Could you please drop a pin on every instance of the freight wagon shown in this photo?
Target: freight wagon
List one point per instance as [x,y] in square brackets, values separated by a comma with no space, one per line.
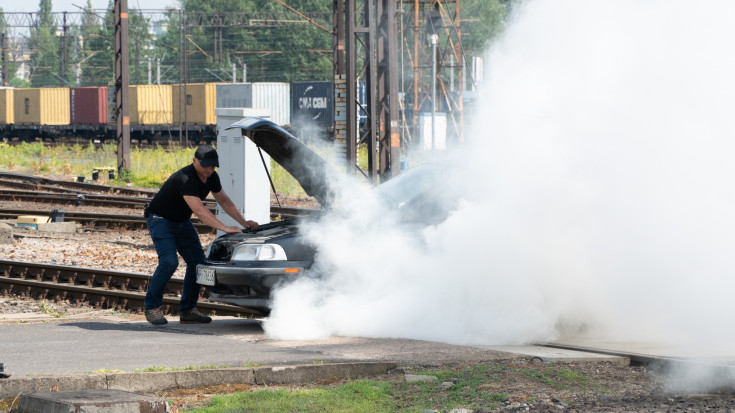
[312,109]
[165,112]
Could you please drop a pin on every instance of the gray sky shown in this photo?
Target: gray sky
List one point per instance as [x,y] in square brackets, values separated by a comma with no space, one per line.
[68,5]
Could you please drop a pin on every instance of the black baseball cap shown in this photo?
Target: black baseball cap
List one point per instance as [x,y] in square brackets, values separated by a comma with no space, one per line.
[207,156]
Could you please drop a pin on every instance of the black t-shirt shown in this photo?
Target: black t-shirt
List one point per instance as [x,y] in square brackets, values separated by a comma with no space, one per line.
[169,201]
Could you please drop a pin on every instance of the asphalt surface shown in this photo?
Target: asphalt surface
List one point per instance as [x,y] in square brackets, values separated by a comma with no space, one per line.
[46,354]
[92,345]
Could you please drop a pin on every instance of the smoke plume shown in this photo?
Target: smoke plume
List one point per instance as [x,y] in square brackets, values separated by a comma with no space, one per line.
[594,191]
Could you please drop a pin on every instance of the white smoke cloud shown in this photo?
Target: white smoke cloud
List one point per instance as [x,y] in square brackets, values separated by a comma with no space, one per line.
[596,190]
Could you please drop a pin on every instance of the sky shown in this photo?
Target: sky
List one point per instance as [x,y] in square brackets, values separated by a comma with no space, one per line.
[69,5]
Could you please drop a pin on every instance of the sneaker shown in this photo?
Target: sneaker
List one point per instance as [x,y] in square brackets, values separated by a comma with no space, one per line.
[3,374]
[193,316]
[155,316]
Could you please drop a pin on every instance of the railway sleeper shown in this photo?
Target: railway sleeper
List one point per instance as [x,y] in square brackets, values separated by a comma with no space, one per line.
[101,298]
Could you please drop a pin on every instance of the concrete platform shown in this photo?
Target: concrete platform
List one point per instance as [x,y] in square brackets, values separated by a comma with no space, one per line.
[551,355]
[112,401]
[683,349]
[148,382]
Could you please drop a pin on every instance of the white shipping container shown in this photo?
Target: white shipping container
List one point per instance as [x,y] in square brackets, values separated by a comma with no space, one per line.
[274,96]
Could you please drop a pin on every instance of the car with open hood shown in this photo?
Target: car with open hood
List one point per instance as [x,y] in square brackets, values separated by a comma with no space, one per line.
[243,269]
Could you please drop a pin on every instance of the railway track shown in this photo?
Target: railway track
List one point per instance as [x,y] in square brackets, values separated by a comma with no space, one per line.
[28,188]
[95,219]
[102,289]
[74,199]
[59,185]
[116,221]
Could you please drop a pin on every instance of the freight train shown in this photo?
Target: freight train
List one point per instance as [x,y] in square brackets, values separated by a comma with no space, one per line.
[164,112]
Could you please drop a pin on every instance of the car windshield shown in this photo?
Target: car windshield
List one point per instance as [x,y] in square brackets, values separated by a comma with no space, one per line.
[417,194]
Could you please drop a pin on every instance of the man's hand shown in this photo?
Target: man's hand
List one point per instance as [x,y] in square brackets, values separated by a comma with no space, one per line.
[231,229]
[251,225]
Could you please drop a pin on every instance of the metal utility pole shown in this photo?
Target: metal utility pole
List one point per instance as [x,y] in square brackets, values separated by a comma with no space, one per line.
[360,45]
[63,51]
[390,126]
[122,86]
[370,37]
[434,17]
[416,70]
[459,55]
[434,43]
[338,37]
[6,62]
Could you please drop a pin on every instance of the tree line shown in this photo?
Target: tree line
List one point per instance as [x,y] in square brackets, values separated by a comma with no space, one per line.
[189,45]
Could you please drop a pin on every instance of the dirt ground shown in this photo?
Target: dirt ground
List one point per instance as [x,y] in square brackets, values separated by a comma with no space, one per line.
[517,385]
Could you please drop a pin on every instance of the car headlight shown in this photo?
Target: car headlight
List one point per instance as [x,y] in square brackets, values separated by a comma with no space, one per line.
[259,252]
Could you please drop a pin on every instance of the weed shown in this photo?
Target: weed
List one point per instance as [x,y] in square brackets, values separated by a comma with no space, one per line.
[466,391]
[119,313]
[103,371]
[164,368]
[46,309]
[558,379]
[573,376]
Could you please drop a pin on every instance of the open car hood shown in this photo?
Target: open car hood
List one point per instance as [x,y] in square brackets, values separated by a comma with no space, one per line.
[311,170]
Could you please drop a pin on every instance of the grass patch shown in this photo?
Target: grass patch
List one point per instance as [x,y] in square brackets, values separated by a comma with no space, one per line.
[466,391]
[150,167]
[356,396]
[559,379]
[164,368]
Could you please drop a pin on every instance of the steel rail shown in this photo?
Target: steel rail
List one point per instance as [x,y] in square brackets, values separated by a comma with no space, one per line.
[101,288]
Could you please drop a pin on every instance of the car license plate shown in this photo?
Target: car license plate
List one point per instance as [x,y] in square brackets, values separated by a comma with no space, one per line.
[205,276]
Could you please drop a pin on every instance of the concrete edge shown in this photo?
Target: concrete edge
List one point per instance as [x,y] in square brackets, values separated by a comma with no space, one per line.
[187,379]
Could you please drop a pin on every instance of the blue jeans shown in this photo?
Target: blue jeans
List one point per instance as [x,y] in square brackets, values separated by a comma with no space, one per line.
[168,238]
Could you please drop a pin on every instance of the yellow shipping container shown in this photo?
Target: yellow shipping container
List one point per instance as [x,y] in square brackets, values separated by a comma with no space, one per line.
[200,98]
[42,106]
[150,105]
[7,114]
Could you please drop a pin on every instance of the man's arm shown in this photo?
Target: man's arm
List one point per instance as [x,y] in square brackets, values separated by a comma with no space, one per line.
[226,203]
[206,216]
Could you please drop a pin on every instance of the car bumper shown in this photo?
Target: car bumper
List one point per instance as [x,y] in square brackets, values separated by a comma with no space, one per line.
[259,275]
[255,303]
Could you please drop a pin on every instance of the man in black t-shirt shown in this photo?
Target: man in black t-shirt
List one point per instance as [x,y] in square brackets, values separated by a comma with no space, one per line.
[168,217]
